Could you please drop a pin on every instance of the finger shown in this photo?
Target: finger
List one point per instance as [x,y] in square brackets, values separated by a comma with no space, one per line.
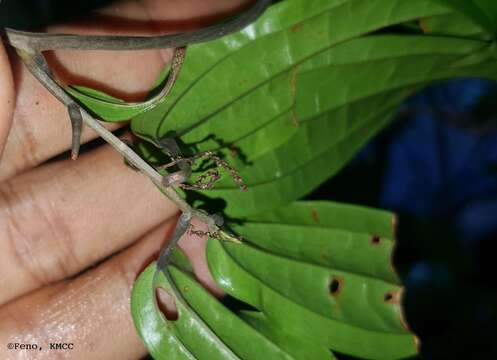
[91,311]
[125,74]
[6,97]
[194,247]
[58,219]
[41,126]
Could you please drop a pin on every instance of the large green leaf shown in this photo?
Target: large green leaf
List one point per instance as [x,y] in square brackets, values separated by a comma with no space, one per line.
[204,329]
[311,92]
[305,282]
[345,96]
[296,95]
[223,81]
[318,276]
[291,98]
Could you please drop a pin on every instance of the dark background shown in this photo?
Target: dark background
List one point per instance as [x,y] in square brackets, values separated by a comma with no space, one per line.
[29,14]
[436,166]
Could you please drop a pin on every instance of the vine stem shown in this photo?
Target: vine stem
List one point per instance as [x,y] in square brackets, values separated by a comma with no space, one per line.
[26,40]
[29,59]
[30,45]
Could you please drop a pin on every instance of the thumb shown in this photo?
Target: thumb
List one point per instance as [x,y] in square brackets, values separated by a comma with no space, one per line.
[7,98]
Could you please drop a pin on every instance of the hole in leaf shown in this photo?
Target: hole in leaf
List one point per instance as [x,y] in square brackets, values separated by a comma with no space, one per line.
[335,286]
[166,304]
[236,305]
[388,297]
[376,240]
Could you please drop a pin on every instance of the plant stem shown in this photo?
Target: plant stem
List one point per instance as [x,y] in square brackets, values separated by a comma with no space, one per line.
[30,45]
[31,41]
[51,85]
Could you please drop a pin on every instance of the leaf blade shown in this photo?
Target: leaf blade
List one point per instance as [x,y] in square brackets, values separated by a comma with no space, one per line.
[293,293]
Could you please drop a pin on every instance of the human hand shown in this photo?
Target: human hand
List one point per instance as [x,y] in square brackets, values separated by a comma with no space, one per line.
[58,219]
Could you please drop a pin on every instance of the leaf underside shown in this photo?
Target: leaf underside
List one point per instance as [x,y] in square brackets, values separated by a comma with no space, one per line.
[290,99]
[287,102]
[315,277]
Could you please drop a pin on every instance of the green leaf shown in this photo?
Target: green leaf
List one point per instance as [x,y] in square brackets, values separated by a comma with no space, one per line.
[315,274]
[311,93]
[345,96]
[109,108]
[482,12]
[454,24]
[318,276]
[105,106]
[288,101]
[213,95]
[204,329]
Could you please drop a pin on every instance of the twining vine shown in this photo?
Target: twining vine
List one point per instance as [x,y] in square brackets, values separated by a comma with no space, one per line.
[30,47]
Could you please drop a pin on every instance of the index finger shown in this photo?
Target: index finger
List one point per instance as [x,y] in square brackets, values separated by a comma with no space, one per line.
[6,97]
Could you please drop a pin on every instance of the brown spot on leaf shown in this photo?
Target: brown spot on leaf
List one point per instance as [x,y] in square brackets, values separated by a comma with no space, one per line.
[403,320]
[293,92]
[375,240]
[424,26]
[315,215]
[392,297]
[335,286]
[417,343]
[297,27]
